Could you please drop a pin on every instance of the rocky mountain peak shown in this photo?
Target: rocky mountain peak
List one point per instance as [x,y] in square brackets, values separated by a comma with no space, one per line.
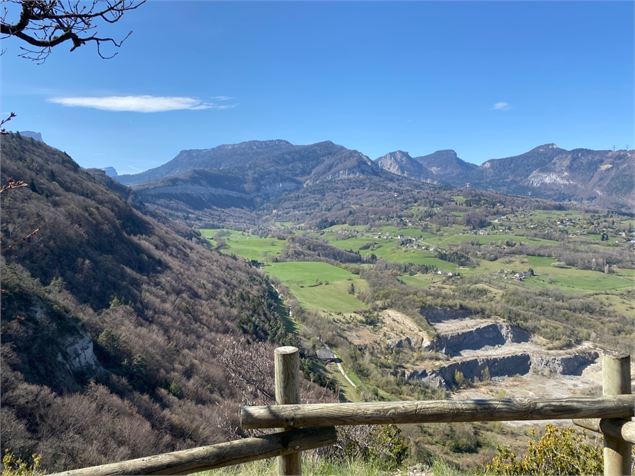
[401,163]
[446,154]
[545,147]
[33,135]
[448,166]
[255,144]
[110,172]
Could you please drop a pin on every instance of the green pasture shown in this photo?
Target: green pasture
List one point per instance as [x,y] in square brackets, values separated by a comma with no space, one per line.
[629,273]
[547,275]
[245,245]
[390,250]
[209,234]
[403,231]
[497,238]
[354,243]
[324,286]
[579,280]
[420,280]
[542,261]
[319,286]
[544,215]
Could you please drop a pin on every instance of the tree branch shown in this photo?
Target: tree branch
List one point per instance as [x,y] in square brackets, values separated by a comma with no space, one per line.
[45,24]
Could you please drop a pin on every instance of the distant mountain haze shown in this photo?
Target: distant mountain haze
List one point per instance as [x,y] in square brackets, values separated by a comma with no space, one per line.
[110,171]
[254,172]
[31,134]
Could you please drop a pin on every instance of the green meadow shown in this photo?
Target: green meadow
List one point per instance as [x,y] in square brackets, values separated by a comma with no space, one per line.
[497,238]
[245,245]
[319,286]
[326,287]
[580,280]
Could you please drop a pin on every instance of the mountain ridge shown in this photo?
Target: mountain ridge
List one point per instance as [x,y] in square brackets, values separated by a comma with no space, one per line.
[266,170]
[402,163]
[248,174]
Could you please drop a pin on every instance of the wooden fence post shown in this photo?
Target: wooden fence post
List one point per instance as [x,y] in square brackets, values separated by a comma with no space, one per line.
[616,380]
[287,369]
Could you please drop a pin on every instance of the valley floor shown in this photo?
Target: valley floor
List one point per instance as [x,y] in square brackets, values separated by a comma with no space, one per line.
[435,312]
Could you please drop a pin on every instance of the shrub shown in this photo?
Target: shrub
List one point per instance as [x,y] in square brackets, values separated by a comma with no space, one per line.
[14,466]
[559,451]
[388,448]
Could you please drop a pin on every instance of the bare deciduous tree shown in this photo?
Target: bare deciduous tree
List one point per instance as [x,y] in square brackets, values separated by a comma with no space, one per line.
[3,131]
[44,24]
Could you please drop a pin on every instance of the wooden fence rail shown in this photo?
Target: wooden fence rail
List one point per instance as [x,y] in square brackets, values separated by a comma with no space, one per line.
[311,426]
[217,456]
[435,411]
[624,429]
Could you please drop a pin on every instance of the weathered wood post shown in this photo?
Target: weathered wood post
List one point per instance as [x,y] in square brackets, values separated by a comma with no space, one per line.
[287,369]
[616,380]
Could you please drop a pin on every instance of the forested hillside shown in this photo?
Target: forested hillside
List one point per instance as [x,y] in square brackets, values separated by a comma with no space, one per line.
[119,337]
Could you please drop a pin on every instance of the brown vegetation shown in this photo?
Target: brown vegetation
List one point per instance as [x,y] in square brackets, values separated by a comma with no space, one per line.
[119,337]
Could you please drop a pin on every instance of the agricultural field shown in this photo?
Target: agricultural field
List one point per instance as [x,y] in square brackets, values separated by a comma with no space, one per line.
[316,285]
[245,245]
[320,286]
[456,261]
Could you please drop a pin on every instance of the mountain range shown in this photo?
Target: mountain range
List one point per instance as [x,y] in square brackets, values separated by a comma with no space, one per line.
[602,177]
[248,174]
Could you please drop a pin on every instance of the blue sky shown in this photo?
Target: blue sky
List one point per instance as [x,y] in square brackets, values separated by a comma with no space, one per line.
[486,79]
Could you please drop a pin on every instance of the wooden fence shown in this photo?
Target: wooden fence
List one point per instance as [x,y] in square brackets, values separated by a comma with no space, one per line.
[310,426]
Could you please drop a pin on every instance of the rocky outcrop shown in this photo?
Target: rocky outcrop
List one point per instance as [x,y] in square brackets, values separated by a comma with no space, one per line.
[111,172]
[401,343]
[484,367]
[471,369]
[78,355]
[33,135]
[435,314]
[448,167]
[400,163]
[568,364]
[486,335]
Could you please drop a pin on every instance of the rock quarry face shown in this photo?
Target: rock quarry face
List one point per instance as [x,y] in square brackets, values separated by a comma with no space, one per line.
[454,373]
[567,364]
[435,314]
[486,335]
[479,349]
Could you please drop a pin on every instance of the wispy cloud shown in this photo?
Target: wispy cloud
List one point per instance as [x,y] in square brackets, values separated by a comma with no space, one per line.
[143,103]
[501,106]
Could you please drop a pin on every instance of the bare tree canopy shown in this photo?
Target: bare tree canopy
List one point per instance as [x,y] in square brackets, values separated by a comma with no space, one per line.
[44,24]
